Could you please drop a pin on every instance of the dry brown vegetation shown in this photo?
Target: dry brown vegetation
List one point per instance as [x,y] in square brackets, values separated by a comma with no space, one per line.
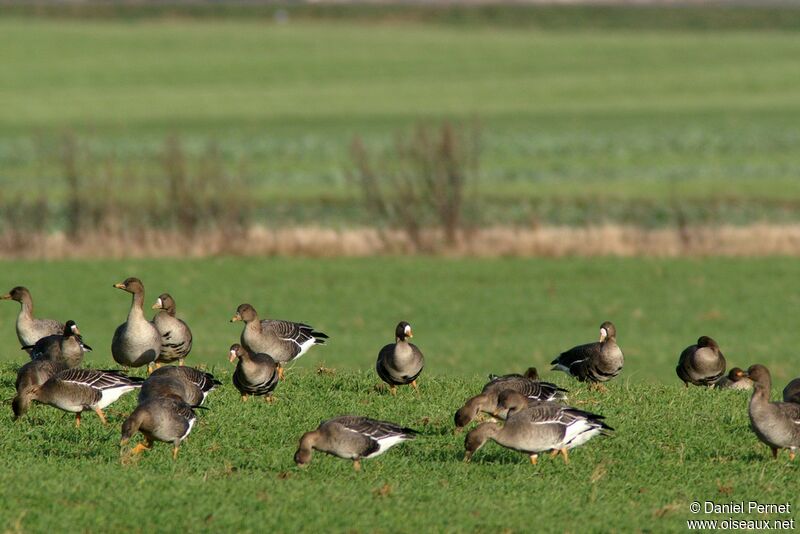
[608,240]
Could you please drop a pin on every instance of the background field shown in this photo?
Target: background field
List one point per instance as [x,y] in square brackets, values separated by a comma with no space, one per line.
[472,317]
[580,124]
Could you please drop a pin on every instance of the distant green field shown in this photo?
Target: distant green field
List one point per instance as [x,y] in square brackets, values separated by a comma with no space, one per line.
[579,125]
[235,472]
[470,316]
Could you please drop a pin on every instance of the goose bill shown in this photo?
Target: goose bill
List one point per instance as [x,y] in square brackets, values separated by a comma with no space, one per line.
[120,285]
[603,334]
[157,305]
[236,317]
[232,356]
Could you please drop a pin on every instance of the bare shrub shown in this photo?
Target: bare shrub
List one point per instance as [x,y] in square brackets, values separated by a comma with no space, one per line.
[424,181]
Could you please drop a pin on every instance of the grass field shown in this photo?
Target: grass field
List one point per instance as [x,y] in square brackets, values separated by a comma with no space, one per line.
[579,125]
[235,472]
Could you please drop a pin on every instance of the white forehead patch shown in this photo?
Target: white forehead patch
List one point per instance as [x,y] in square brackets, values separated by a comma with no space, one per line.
[603,333]
[74,329]
[158,302]
[408,329]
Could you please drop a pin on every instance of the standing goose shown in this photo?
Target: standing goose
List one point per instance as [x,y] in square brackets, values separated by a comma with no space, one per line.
[137,341]
[67,348]
[255,374]
[190,385]
[594,362]
[736,379]
[159,419]
[791,393]
[283,340]
[534,429]
[351,437]
[401,362]
[33,373]
[29,329]
[176,338]
[486,401]
[702,364]
[76,390]
[775,423]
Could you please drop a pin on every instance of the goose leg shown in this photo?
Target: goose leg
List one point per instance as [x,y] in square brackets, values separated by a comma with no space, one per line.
[101,415]
[175,450]
[269,399]
[78,420]
[280,372]
[774,452]
[393,391]
[534,459]
[791,455]
[414,385]
[140,448]
[554,453]
[357,464]
[244,398]
[566,456]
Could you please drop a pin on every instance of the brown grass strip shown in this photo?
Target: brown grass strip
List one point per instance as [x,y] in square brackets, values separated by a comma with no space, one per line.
[546,241]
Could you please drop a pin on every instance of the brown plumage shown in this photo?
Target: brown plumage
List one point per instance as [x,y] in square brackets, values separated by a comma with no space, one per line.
[594,362]
[188,384]
[486,401]
[401,362]
[352,437]
[159,419]
[33,373]
[29,329]
[137,341]
[791,393]
[255,374]
[176,337]
[701,364]
[67,348]
[736,379]
[777,424]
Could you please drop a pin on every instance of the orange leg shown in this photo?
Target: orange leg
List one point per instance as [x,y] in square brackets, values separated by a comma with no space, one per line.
[357,464]
[269,399]
[566,456]
[280,372]
[244,398]
[534,459]
[140,448]
[393,391]
[414,385]
[101,415]
[554,453]
[791,455]
[175,452]
[78,420]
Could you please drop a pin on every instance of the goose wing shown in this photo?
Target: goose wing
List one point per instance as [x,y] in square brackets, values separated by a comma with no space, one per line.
[99,379]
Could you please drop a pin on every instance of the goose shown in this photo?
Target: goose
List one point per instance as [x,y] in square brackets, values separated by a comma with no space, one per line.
[702,364]
[176,337]
[159,419]
[255,374]
[594,362]
[33,373]
[67,348]
[76,390]
[188,384]
[29,329]
[777,424]
[791,393]
[533,429]
[352,437]
[283,340]
[137,341]
[736,379]
[401,362]
[486,401]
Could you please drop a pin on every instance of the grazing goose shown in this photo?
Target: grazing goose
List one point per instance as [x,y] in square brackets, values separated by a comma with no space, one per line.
[775,423]
[137,341]
[736,379]
[255,374]
[76,390]
[594,362]
[791,393]
[530,372]
[401,362]
[486,401]
[190,385]
[351,437]
[176,338]
[283,340]
[29,329]
[67,348]
[544,426]
[701,364]
[159,419]
[33,373]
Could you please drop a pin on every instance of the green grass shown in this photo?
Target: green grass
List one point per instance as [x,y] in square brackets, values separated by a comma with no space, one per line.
[235,472]
[672,446]
[624,118]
